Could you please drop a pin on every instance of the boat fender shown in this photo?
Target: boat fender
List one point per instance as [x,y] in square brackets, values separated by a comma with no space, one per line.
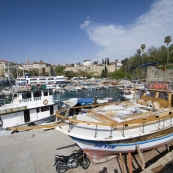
[45,102]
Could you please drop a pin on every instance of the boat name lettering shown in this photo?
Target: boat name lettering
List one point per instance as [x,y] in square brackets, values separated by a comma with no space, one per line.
[29,99]
[25,100]
[105,146]
[37,98]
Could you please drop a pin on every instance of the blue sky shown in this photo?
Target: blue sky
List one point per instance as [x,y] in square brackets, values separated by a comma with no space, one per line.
[71,31]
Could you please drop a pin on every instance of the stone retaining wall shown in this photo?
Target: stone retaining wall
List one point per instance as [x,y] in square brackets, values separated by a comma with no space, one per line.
[155,74]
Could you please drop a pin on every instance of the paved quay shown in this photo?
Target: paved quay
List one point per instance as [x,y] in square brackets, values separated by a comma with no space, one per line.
[33,152]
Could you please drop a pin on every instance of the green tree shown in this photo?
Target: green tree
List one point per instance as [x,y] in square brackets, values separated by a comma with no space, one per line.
[138,73]
[59,70]
[43,71]
[103,74]
[70,74]
[124,63]
[167,40]
[107,61]
[139,51]
[143,48]
[119,74]
[171,53]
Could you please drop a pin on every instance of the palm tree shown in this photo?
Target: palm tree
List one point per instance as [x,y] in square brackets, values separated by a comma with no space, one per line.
[139,52]
[167,40]
[143,48]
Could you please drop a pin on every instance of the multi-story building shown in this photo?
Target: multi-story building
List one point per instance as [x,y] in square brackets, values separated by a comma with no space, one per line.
[5,67]
[35,65]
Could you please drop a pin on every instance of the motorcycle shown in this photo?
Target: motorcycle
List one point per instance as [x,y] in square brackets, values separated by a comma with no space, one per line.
[76,159]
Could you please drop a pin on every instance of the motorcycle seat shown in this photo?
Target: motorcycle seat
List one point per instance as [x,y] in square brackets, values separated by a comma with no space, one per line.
[65,158]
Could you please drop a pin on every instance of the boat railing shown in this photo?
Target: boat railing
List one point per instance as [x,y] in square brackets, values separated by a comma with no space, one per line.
[157,118]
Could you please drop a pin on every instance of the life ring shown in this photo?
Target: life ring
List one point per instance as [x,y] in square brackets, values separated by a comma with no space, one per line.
[45,102]
[29,87]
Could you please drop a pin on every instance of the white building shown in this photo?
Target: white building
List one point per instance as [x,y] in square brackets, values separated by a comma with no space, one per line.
[86,62]
[118,63]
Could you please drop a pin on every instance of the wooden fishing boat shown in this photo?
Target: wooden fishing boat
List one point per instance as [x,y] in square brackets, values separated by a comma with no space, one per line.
[117,128]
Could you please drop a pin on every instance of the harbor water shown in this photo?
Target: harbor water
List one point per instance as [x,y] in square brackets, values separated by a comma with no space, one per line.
[113,92]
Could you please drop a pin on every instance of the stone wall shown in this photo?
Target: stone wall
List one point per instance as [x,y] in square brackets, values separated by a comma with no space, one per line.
[97,70]
[155,74]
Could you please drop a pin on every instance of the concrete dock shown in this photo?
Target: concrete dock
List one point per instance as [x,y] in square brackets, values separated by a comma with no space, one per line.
[33,152]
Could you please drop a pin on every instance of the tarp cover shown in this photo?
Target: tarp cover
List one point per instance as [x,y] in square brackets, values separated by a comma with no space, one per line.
[85,101]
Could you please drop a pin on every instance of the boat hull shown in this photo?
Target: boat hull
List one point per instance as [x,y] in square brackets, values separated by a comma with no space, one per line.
[101,151]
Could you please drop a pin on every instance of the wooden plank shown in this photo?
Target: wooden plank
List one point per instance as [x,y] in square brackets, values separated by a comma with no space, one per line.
[130,162]
[141,158]
[67,113]
[101,118]
[157,169]
[163,103]
[170,99]
[122,163]
[34,127]
[168,147]
[147,119]
[157,95]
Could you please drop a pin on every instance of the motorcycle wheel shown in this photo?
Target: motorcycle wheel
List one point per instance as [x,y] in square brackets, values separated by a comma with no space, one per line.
[60,170]
[85,163]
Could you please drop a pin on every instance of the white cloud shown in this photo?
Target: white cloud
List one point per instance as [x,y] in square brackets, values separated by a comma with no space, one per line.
[119,42]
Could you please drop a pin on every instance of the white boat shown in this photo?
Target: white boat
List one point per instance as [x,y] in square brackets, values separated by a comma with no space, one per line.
[31,106]
[117,128]
[41,80]
[109,99]
[70,102]
[78,88]
[55,88]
